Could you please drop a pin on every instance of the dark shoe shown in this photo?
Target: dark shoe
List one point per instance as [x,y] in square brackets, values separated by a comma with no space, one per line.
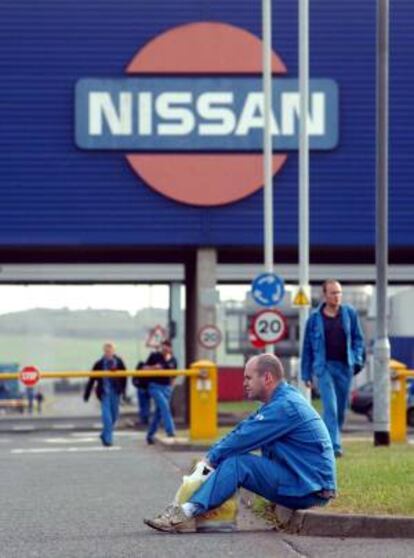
[150,441]
[339,453]
[104,442]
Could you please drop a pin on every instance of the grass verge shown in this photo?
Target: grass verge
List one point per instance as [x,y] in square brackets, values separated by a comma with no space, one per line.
[372,481]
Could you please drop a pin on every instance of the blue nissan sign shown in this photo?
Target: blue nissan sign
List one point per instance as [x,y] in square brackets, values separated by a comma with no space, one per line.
[220,114]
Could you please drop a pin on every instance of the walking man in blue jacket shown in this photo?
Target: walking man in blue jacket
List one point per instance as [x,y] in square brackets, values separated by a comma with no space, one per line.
[333,351]
[297,465]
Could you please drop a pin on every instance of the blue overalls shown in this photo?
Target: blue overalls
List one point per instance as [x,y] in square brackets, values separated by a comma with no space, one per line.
[109,406]
[297,461]
[334,377]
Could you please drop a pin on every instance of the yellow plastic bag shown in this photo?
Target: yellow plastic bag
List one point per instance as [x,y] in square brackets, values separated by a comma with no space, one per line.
[221,519]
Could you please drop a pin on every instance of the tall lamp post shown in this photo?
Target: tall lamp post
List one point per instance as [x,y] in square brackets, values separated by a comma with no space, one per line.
[267,139]
[303,169]
[382,343]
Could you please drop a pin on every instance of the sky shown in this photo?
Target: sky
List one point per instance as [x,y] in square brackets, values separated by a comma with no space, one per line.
[131,298]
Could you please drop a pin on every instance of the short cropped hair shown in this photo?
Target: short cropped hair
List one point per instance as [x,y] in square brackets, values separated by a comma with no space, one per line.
[270,363]
[167,343]
[328,282]
[109,344]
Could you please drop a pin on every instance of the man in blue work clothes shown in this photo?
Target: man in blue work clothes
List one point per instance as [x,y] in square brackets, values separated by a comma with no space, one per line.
[160,390]
[333,351]
[297,466]
[108,390]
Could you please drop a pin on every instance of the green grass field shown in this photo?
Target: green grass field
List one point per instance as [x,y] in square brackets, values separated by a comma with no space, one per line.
[64,353]
[373,481]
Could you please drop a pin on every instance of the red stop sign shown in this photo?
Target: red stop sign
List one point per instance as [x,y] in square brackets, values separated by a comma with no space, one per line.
[29,376]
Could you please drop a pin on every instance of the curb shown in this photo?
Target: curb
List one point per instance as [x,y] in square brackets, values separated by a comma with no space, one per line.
[311,523]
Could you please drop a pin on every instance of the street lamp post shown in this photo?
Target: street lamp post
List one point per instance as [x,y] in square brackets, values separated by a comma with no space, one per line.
[382,344]
[303,169]
[267,138]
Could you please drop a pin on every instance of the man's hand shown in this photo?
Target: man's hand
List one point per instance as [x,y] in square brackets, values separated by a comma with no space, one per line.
[308,384]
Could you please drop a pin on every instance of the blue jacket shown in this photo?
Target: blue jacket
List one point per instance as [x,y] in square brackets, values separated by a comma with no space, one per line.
[292,435]
[313,358]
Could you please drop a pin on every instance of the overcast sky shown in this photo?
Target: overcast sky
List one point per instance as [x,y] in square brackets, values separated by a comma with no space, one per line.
[78,297]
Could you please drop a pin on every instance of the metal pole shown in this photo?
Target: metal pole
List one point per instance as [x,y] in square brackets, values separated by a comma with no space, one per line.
[382,344]
[303,169]
[267,138]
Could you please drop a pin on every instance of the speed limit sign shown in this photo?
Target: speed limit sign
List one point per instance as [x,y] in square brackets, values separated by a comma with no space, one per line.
[269,326]
[209,337]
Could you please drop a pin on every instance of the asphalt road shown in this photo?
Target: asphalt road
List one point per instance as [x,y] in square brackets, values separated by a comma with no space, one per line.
[63,495]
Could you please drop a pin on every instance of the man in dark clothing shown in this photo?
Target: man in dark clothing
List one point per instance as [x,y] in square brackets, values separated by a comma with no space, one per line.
[108,390]
[160,390]
[143,396]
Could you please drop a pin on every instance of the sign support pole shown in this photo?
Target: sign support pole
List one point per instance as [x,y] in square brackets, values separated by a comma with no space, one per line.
[303,171]
[382,343]
[267,139]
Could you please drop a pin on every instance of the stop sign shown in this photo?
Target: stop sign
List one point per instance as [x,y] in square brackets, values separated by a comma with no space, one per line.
[29,376]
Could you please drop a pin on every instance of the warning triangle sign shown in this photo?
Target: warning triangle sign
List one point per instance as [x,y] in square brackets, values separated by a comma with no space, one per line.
[301,298]
[155,337]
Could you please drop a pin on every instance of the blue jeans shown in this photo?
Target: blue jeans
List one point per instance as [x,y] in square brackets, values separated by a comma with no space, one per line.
[161,394]
[254,473]
[334,386]
[144,405]
[110,413]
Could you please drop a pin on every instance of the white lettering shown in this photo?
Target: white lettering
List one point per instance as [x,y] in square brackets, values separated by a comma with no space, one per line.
[118,119]
[224,118]
[145,114]
[252,116]
[167,109]
[291,114]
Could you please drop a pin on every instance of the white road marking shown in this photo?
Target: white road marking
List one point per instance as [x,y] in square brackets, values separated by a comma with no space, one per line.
[69,440]
[117,433]
[64,426]
[63,450]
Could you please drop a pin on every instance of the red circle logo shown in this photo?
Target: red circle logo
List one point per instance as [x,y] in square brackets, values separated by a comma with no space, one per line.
[29,376]
[204,179]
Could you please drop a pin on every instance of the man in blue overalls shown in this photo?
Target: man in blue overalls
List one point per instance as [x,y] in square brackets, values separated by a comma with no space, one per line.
[333,351]
[108,391]
[297,466]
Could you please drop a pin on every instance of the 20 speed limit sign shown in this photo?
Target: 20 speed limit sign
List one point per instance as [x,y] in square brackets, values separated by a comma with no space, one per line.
[269,326]
[209,337]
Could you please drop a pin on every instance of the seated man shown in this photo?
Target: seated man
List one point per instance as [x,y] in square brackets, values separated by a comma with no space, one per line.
[297,466]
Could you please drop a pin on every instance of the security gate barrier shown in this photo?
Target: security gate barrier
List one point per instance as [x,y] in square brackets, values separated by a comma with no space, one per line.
[203,391]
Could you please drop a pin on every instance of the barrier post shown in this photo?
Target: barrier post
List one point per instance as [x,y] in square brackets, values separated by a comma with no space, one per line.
[203,401]
[398,402]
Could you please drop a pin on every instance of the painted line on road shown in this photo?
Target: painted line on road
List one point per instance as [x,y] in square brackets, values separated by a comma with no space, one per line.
[116,433]
[70,440]
[64,426]
[20,451]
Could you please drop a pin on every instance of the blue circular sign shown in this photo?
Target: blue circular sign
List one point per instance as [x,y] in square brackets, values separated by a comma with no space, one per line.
[268,289]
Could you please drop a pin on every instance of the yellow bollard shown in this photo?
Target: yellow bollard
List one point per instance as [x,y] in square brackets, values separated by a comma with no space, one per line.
[203,401]
[398,402]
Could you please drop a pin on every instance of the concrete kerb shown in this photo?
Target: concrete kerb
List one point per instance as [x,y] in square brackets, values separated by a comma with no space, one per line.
[313,523]
[317,524]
